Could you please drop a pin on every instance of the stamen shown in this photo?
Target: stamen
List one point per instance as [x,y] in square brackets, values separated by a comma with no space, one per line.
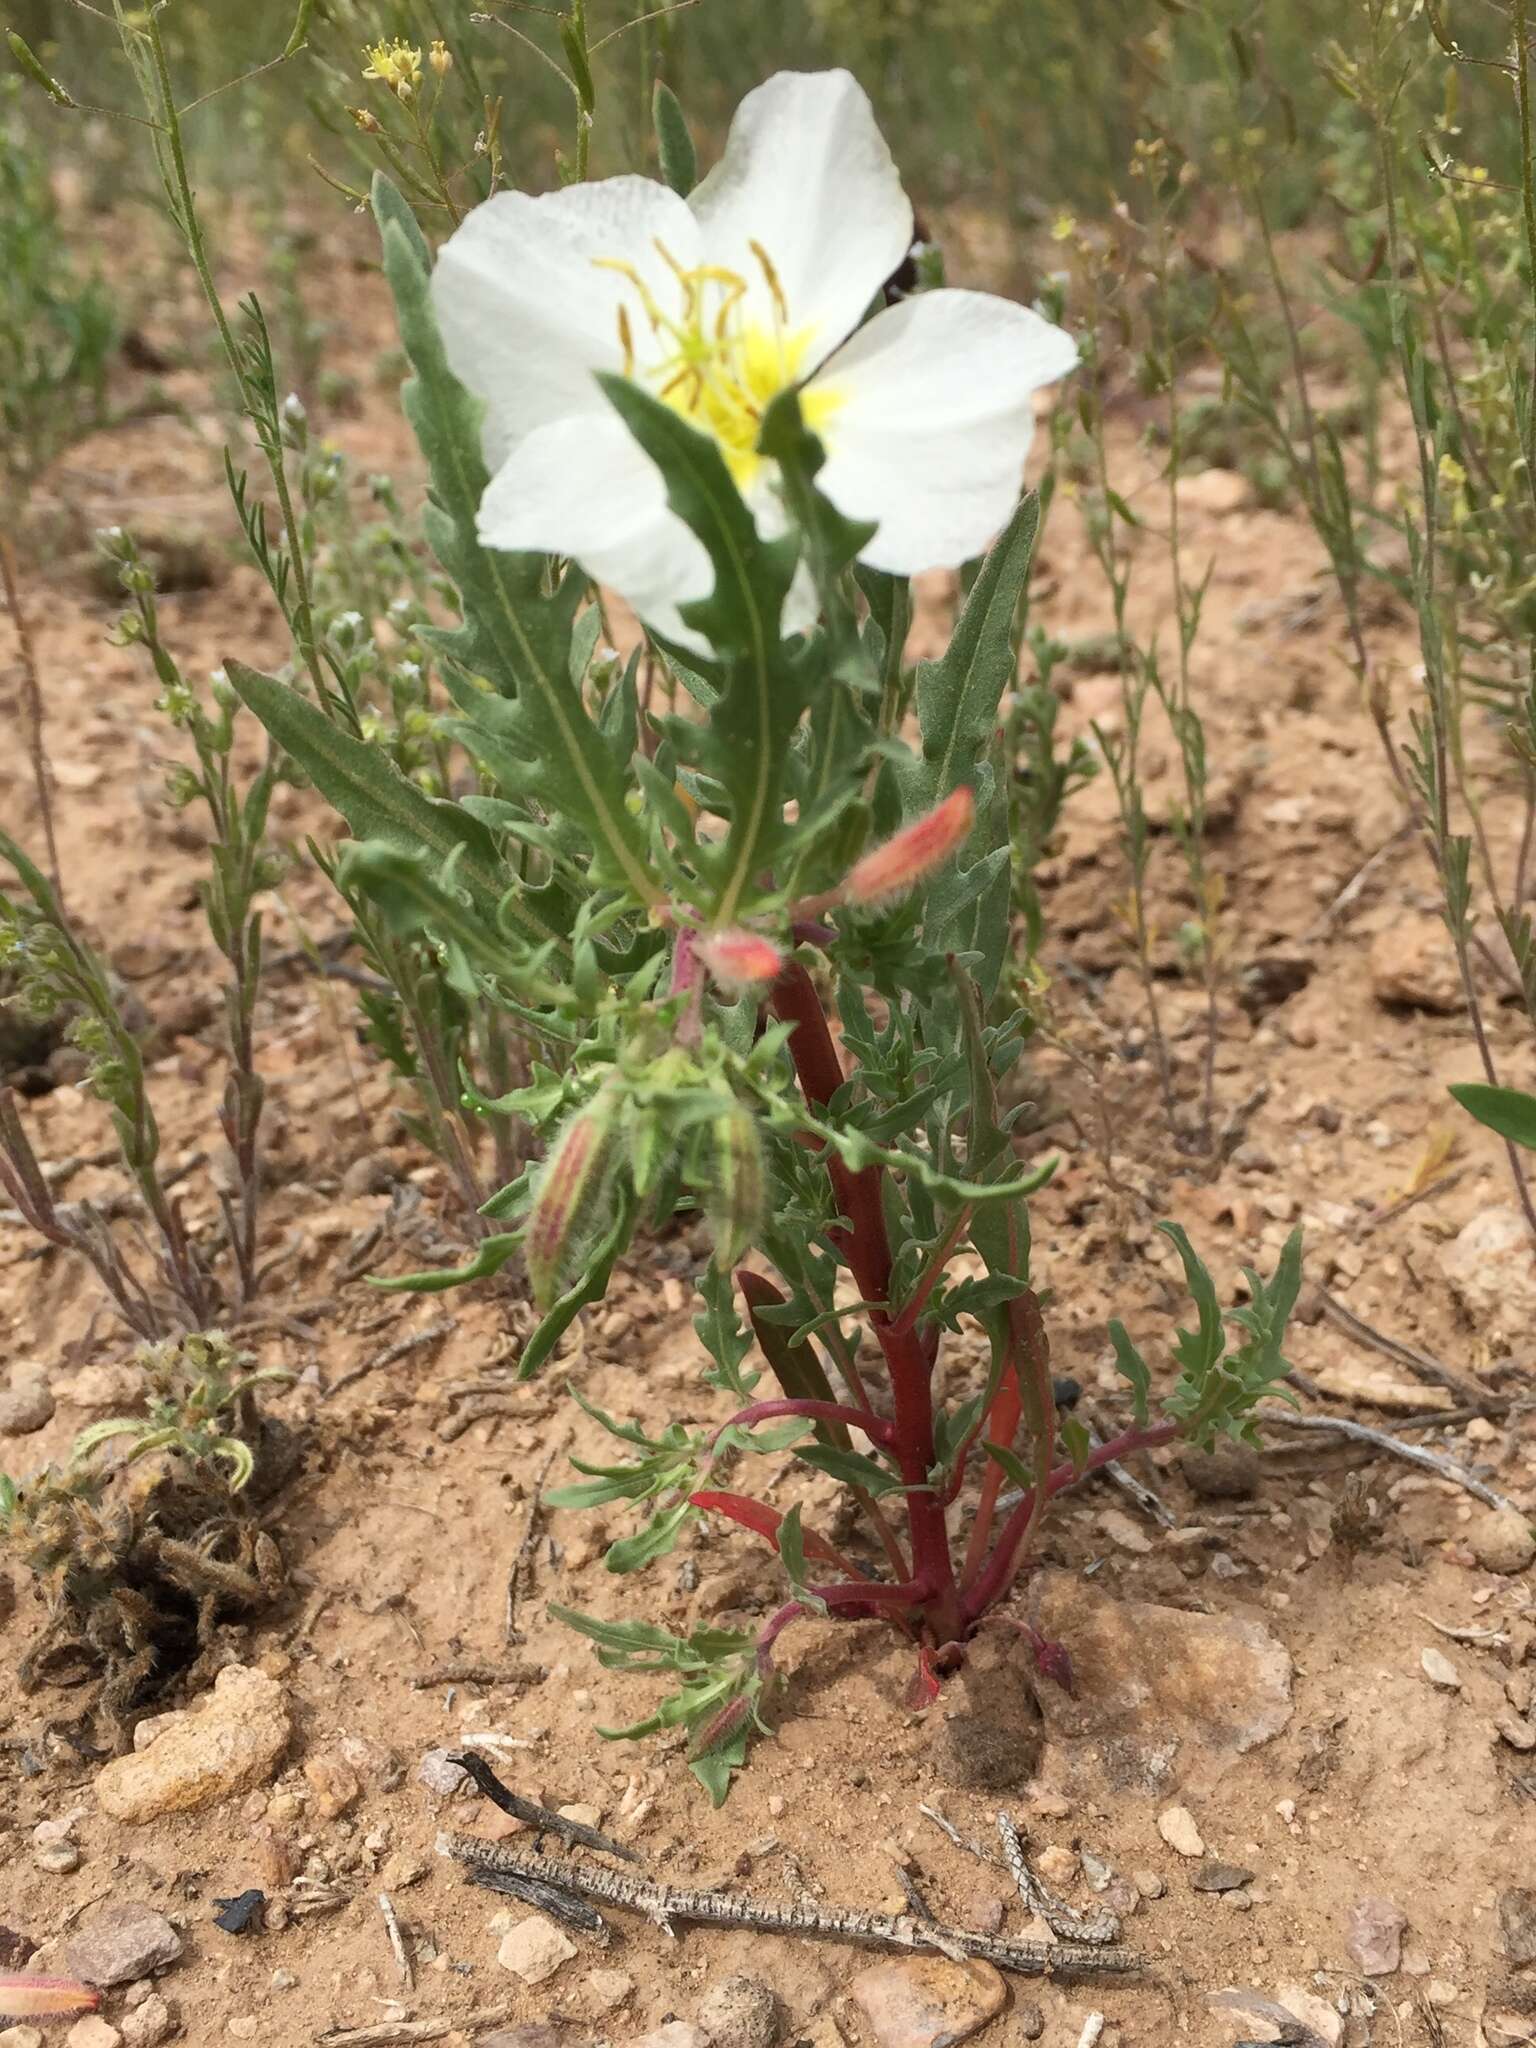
[626,342]
[772,276]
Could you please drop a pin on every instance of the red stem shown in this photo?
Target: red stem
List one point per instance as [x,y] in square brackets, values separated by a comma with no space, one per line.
[991,1584]
[877,1430]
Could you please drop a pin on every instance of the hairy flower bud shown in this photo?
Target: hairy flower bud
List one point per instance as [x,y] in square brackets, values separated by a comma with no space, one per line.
[739,959]
[440,57]
[573,1197]
[722,1728]
[736,1195]
[913,854]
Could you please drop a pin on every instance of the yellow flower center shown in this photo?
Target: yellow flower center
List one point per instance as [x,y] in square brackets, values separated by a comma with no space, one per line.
[719,366]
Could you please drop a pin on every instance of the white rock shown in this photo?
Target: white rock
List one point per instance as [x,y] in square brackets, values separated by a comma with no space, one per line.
[1124,1532]
[1177,1826]
[534,1949]
[1439,1670]
[1492,1272]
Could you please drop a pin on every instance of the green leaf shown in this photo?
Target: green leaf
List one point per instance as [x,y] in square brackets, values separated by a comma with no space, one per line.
[1130,1364]
[745,746]
[493,1254]
[1012,1465]
[1197,1350]
[1076,1442]
[850,1468]
[1509,1111]
[512,632]
[674,145]
[659,1535]
[590,1286]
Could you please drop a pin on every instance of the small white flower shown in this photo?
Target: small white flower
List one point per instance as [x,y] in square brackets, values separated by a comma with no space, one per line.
[717,303]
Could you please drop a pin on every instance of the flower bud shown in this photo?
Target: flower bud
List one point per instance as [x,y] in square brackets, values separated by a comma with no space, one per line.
[722,1728]
[736,1196]
[29,61]
[739,959]
[571,1203]
[440,57]
[914,853]
[367,121]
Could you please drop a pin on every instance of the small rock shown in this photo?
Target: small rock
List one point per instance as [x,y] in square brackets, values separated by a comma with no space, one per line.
[25,1408]
[92,2032]
[242,1914]
[58,1859]
[536,2034]
[401,1870]
[22,2037]
[244,2027]
[1413,966]
[1517,1919]
[675,2034]
[232,1742]
[149,2023]
[1148,1883]
[1227,1472]
[284,1980]
[1124,1532]
[122,1942]
[1375,1940]
[1220,1877]
[1176,1825]
[1492,1273]
[1514,1729]
[982,1913]
[927,2001]
[534,1949]
[1121,1898]
[1439,1670]
[1502,1541]
[583,1816]
[606,1991]
[438,1774]
[1058,1866]
[740,2012]
[1030,2021]
[333,1782]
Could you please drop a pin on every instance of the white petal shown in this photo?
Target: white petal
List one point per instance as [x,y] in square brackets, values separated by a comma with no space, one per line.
[807,174]
[929,420]
[526,309]
[583,487]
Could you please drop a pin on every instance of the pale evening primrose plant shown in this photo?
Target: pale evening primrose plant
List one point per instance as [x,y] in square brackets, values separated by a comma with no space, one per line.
[759,281]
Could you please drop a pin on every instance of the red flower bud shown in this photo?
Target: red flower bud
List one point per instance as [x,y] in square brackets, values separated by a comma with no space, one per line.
[572,1201]
[914,853]
[721,1729]
[739,959]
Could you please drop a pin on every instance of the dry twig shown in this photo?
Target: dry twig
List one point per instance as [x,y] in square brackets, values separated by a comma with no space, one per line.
[1062,1920]
[663,1903]
[533,1815]
[1412,1454]
[429,1333]
[1419,1363]
[395,2033]
[397,1947]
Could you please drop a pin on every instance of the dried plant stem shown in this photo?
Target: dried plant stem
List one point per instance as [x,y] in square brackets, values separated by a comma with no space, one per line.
[32,693]
[662,1904]
[1412,1454]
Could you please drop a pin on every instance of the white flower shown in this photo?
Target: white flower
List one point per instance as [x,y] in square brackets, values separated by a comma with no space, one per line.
[717,303]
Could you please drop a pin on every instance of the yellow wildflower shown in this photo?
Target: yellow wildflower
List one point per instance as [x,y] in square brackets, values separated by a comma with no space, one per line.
[440,57]
[396,65]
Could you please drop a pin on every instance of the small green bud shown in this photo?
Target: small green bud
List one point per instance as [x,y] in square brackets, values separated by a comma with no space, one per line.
[573,1198]
[736,1195]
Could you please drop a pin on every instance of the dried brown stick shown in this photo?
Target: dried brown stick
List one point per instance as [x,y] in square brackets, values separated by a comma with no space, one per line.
[1419,1363]
[477,1674]
[395,2033]
[522,1562]
[397,1947]
[440,1326]
[1062,1920]
[1412,1454]
[535,1816]
[664,1903]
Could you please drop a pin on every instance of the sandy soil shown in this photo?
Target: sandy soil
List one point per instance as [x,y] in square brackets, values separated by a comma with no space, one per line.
[1368,1780]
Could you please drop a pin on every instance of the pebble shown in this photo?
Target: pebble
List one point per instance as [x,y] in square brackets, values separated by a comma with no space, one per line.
[1057,1865]
[740,2012]
[534,1949]
[1492,1274]
[1220,1877]
[148,2023]
[231,1743]
[1502,1541]
[92,2032]
[1439,1670]
[607,1991]
[244,2027]
[1125,1532]
[1176,1825]
[1148,1883]
[1227,1472]
[927,2001]
[1413,966]
[438,1775]
[1030,2021]
[57,1858]
[1514,1729]
[25,1407]
[332,1782]
[22,2037]
[1375,1939]
[122,1942]
[675,2034]
[1517,1921]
